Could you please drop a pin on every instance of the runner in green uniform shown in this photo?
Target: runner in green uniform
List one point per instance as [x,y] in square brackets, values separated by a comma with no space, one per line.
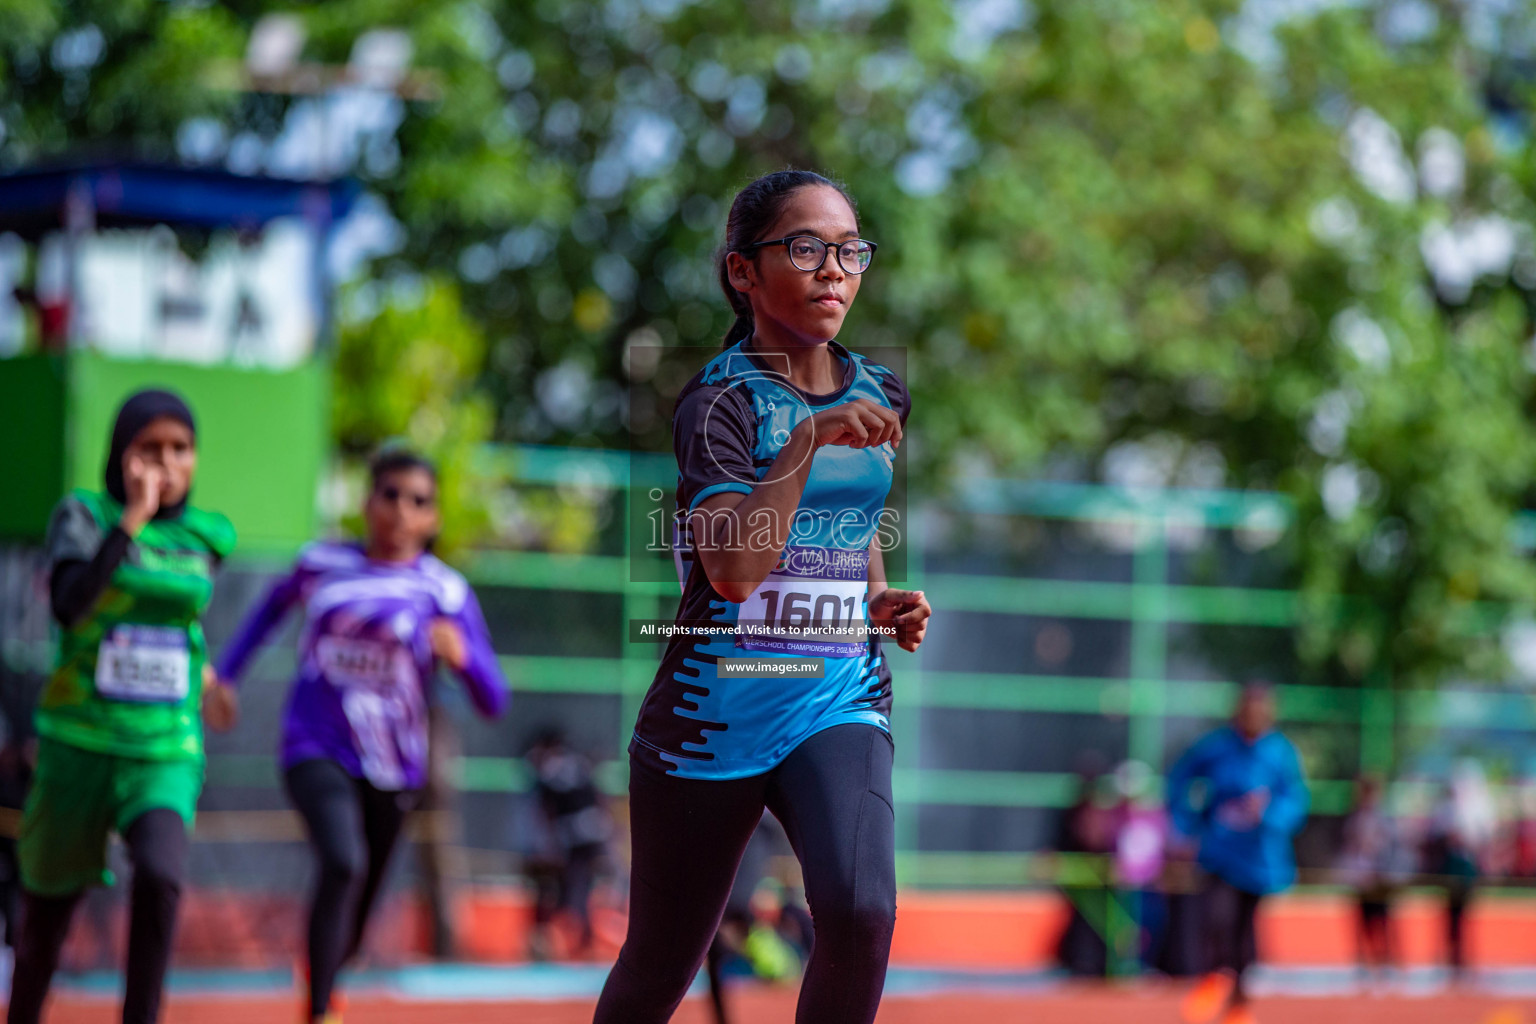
[121,744]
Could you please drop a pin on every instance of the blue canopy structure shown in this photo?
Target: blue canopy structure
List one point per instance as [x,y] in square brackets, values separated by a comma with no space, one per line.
[60,395]
[135,194]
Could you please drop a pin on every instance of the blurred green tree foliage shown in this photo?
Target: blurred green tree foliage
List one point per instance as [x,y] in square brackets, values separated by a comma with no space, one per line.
[407,372]
[1189,243]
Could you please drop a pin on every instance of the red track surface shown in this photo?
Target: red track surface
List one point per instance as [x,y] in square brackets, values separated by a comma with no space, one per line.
[1073,1006]
[1004,930]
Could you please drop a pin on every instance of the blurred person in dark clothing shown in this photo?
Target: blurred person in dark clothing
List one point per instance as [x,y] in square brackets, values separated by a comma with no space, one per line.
[438,850]
[1524,855]
[1253,801]
[15,775]
[1460,831]
[1374,862]
[1140,849]
[1085,828]
[580,828]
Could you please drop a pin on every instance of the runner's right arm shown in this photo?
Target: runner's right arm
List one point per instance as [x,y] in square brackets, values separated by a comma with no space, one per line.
[83,560]
[728,514]
[1188,820]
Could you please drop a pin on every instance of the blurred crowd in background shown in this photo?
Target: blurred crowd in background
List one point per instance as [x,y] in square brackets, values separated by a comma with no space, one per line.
[1467,833]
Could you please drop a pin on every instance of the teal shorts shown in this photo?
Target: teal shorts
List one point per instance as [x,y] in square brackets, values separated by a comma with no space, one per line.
[79,797]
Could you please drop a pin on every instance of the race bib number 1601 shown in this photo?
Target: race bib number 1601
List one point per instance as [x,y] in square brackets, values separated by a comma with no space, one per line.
[812,604]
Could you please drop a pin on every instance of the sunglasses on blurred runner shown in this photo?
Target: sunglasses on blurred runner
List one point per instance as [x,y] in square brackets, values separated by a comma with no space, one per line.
[391,494]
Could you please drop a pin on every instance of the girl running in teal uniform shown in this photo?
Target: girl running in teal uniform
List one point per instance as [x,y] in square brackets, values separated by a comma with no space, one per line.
[784,442]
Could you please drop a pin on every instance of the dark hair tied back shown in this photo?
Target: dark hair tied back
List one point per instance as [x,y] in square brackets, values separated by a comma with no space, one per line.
[753,211]
[395,460]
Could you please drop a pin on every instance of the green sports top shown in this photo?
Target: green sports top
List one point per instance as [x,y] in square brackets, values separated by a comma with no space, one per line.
[129,677]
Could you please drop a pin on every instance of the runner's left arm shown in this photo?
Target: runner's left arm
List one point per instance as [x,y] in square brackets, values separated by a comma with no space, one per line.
[1290,799]
[877,582]
[482,675]
[907,611]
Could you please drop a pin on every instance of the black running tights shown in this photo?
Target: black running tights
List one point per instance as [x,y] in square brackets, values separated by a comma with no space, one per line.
[352,828]
[833,796]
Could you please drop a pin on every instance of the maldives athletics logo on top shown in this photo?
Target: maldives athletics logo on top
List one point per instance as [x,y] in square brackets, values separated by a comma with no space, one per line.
[823,563]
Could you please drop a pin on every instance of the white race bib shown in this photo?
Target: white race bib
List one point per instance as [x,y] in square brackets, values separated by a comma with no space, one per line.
[349,662]
[812,604]
[144,663]
[377,722]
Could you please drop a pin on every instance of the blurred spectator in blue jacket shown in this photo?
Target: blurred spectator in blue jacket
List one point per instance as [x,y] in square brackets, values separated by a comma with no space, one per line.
[1237,797]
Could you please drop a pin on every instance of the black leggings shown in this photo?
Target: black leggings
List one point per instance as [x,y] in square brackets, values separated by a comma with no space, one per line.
[1457,895]
[157,848]
[1373,930]
[1232,942]
[352,828]
[833,796]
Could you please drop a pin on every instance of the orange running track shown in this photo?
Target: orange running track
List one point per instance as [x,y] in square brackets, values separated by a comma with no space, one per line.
[1085,1005]
[986,930]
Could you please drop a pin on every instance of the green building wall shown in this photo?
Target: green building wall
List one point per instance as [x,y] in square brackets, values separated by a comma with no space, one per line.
[262,439]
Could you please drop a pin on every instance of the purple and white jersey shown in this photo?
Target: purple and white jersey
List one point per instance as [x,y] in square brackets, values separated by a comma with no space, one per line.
[365,659]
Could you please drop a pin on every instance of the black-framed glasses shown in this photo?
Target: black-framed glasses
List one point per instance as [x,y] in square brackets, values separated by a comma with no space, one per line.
[808,253]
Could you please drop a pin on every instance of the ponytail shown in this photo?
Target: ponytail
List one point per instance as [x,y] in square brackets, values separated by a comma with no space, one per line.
[744,324]
[741,330]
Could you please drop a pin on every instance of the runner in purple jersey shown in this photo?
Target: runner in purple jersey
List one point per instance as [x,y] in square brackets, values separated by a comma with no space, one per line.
[378,617]
[369,646]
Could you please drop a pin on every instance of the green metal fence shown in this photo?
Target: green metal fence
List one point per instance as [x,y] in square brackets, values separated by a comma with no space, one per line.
[1149,603]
